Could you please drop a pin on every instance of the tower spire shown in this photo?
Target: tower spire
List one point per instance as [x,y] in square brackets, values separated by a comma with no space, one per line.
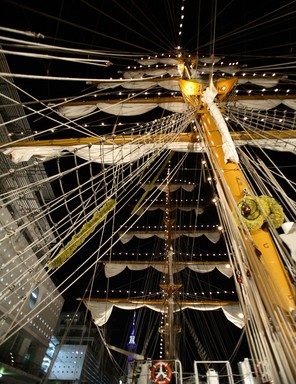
[132,343]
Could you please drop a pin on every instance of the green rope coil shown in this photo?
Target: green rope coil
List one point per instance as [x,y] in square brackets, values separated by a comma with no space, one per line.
[66,252]
[276,214]
[254,219]
[255,211]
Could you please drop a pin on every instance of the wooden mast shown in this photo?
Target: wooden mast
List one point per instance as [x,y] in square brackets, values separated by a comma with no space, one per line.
[169,287]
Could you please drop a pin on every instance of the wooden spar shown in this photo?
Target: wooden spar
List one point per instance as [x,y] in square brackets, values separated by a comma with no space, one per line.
[188,137]
[176,99]
[176,232]
[162,303]
[281,291]
[138,100]
[163,263]
[177,78]
[266,134]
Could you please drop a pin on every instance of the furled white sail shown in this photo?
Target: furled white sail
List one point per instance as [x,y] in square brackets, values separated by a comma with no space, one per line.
[171,187]
[108,154]
[120,109]
[172,83]
[113,269]
[213,236]
[198,210]
[101,311]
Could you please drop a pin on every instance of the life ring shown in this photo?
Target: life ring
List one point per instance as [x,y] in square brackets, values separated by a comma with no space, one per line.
[161,372]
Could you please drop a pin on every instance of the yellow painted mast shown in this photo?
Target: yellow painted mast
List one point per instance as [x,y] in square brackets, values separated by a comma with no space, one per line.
[282,289]
[273,284]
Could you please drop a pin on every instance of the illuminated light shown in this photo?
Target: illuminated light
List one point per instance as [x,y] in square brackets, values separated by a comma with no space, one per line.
[276,90]
[181,67]
[273,74]
[241,315]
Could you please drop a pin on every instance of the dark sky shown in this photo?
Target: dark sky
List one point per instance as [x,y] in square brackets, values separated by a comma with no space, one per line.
[241,28]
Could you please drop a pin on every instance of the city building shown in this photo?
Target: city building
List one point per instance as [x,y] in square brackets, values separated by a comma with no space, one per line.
[76,353]
[30,303]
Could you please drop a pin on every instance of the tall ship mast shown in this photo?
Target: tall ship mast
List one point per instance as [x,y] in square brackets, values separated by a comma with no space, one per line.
[170,217]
